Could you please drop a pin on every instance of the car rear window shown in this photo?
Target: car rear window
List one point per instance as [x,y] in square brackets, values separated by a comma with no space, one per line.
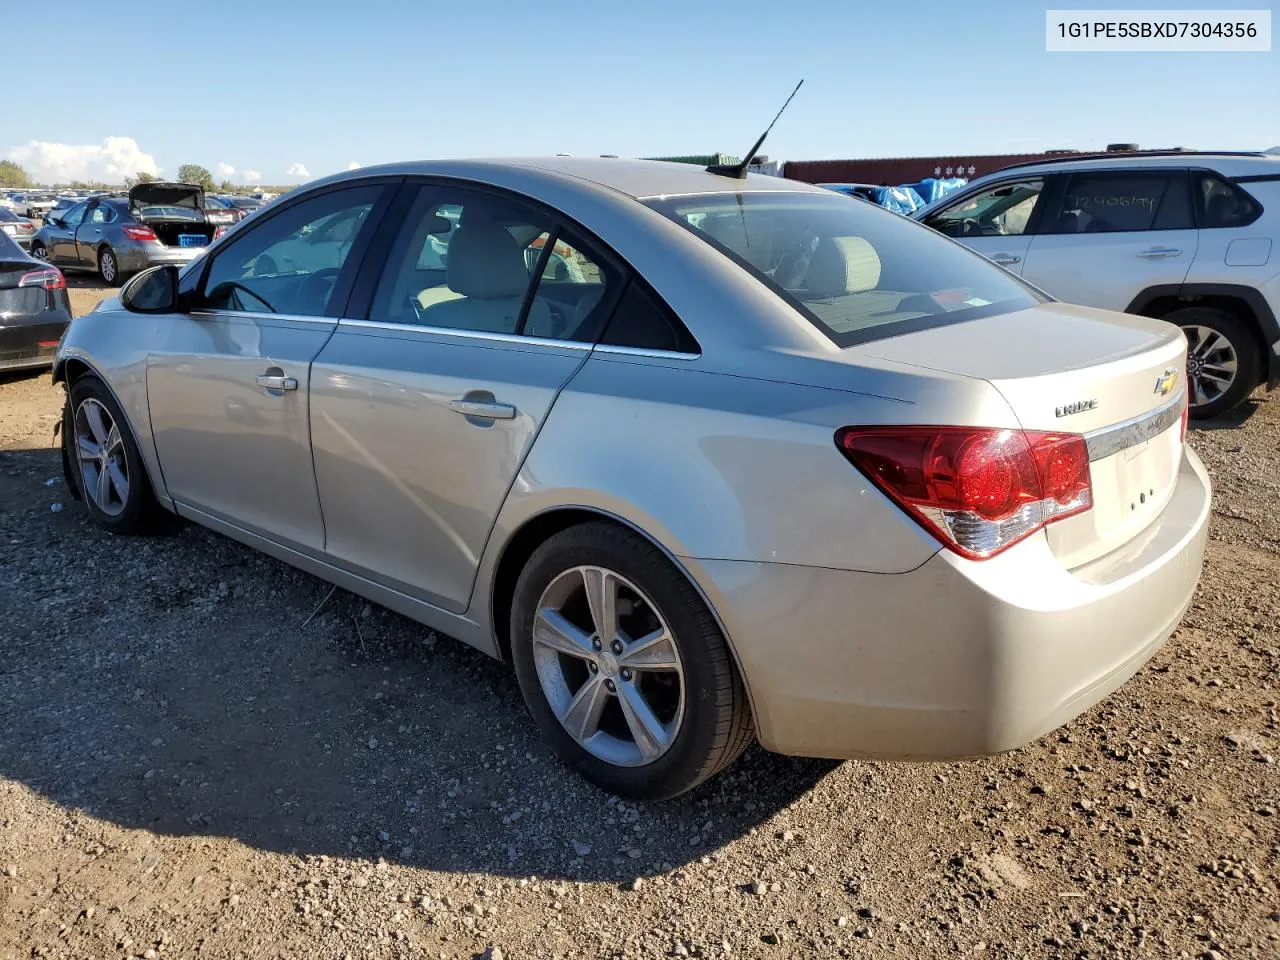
[855,271]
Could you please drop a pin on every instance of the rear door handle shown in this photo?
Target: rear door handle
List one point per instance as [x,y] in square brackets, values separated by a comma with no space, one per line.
[1005,259]
[272,381]
[485,409]
[1159,253]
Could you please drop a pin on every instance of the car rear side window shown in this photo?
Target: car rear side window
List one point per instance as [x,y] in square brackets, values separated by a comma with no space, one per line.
[471,260]
[855,271]
[1223,204]
[1120,203]
[642,321]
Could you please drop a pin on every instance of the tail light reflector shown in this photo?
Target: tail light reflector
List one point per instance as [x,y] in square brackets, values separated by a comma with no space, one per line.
[47,277]
[978,490]
[139,233]
[219,232]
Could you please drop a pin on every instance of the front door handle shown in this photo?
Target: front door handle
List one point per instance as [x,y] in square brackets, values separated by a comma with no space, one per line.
[1005,259]
[1159,253]
[484,409]
[273,381]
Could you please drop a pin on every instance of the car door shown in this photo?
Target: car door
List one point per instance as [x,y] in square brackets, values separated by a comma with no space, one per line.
[229,387]
[1108,235]
[61,236]
[89,233]
[425,405]
[996,220]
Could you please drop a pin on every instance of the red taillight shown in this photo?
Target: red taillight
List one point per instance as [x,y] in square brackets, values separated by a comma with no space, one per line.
[139,233]
[219,232]
[979,490]
[47,277]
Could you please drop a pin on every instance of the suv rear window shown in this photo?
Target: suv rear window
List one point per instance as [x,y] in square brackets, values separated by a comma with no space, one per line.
[856,272]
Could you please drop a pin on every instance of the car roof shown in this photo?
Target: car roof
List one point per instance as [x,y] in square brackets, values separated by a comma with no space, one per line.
[1226,163]
[639,179]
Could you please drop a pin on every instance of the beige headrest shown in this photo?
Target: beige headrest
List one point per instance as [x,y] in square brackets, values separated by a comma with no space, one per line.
[842,265]
[486,262]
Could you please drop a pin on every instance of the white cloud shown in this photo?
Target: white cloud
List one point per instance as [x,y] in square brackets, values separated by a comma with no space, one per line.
[110,161]
[297,170]
[225,169]
[252,176]
[353,165]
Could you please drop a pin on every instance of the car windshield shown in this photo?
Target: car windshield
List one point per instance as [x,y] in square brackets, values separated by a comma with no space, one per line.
[856,272]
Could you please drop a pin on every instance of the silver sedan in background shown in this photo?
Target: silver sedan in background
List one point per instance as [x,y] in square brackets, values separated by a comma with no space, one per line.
[704,456]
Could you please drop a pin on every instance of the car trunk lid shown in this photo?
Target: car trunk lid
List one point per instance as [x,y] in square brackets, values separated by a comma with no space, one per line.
[1116,379]
[174,211]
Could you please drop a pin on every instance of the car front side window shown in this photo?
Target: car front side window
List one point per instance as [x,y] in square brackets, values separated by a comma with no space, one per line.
[289,263]
[73,216]
[1000,211]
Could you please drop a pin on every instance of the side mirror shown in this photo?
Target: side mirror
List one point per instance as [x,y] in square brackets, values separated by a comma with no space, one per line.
[152,291]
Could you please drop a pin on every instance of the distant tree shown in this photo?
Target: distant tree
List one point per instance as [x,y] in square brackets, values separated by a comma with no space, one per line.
[194,173]
[144,177]
[226,187]
[12,175]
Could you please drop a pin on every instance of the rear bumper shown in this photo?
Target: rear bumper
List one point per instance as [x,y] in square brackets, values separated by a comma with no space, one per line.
[139,257]
[20,344]
[955,659]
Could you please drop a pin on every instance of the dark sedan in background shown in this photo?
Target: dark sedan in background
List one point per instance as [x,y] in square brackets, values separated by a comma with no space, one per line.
[116,236]
[34,308]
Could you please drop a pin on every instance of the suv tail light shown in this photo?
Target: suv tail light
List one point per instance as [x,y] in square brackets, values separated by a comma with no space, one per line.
[47,277]
[139,233]
[978,490]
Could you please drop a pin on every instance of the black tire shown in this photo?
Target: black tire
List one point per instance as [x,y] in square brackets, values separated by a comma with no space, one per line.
[107,259]
[1248,358]
[716,725]
[40,252]
[141,512]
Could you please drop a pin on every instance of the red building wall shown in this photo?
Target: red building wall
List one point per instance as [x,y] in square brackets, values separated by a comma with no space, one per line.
[895,170]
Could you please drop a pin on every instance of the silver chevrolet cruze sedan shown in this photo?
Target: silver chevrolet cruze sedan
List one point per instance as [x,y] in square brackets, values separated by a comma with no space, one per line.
[705,458]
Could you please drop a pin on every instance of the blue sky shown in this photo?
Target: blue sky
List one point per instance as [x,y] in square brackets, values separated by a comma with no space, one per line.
[263,85]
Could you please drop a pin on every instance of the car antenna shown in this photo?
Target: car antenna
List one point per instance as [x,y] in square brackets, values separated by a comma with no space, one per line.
[739,170]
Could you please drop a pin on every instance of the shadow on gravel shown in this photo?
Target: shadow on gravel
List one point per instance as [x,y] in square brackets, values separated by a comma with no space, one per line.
[1232,419]
[189,686]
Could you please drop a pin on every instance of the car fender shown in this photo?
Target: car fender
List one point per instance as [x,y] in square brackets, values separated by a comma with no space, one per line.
[99,342]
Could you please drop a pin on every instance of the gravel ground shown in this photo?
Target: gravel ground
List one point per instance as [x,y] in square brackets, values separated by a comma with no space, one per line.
[205,753]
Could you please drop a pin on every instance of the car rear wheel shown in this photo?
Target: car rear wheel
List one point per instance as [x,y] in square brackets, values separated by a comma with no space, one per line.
[104,460]
[623,666]
[108,267]
[1224,363]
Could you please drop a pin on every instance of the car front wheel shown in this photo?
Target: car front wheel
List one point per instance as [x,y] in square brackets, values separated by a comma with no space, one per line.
[623,666]
[104,460]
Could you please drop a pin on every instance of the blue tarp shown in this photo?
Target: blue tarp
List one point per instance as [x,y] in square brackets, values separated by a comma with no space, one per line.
[932,188]
[901,200]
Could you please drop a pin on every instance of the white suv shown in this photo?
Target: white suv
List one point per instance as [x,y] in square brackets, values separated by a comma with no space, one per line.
[1191,238]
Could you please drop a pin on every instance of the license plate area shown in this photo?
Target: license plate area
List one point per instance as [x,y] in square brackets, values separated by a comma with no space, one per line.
[192,240]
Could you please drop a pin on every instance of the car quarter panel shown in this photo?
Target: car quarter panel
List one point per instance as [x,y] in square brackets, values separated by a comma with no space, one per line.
[716,466]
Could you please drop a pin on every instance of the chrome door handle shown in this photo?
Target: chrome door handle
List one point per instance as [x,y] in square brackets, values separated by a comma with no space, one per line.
[1004,259]
[485,409]
[1159,253]
[276,382]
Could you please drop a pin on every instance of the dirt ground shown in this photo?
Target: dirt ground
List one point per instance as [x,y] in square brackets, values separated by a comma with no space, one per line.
[205,754]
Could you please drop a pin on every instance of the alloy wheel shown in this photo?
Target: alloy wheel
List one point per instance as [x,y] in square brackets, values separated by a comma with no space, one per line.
[609,666]
[104,468]
[1212,364]
[40,252]
[107,263]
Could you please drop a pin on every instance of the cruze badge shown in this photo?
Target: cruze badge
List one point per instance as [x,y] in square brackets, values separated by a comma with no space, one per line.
[1167,381]
[1067,409]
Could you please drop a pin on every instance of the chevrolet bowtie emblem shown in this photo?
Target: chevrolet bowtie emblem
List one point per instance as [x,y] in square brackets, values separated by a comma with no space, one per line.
[1168,380]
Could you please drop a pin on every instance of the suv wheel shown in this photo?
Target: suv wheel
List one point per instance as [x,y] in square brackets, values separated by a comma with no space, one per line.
[1223,361]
